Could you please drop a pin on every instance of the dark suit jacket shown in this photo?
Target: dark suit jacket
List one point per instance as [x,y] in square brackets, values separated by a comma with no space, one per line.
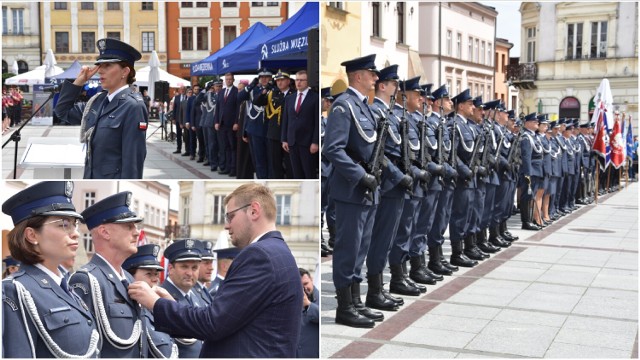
[301,129]
[227,111]
[176,108]
[118,147]
[184,350]
[309,343]
[256,311]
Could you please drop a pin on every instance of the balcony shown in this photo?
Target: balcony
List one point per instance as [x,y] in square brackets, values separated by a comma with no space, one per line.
[522,76]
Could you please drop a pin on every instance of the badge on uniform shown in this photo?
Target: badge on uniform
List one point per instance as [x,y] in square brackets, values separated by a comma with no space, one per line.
[142,125]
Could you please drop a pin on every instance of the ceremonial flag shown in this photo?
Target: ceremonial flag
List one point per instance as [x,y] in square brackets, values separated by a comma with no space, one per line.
[601,136]
[617,145]
[142,238]
[629,138]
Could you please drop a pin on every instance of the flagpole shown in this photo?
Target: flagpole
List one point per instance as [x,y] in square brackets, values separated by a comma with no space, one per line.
[597,184]
[608,177]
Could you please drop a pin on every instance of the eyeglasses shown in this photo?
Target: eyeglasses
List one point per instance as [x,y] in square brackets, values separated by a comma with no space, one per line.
[67,225]
[229,216]
[301,80]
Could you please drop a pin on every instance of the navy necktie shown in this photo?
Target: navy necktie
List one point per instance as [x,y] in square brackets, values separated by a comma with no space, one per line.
[188,296]
[65,286]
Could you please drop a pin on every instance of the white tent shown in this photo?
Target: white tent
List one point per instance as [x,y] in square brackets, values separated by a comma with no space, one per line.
[35,76]
[154,72]
[142,78]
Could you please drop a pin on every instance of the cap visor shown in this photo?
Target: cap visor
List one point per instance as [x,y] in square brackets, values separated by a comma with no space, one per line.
[188,259]
[128,220]
[157,267]
[63,213]
[101,61]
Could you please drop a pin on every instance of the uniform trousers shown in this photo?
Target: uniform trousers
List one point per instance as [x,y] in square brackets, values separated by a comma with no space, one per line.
[501,196]
[478,208]
[574,189]
[385,227]
[230,148]
[558,195]
[424,223]
[400,245]
[488,212]
[461,212]
[277,159]
[442,216]
[259,155]
[354,223]
[566,192]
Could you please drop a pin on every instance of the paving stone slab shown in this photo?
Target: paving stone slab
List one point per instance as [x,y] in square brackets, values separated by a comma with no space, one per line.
[331,345]
[538,300]
[596,338]
[559,350]
[392,351]
[453,323]
[523,339]
[467,311]
[531,317]
[434,337]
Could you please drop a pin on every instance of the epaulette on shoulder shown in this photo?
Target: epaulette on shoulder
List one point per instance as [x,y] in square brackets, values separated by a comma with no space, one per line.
[136,96]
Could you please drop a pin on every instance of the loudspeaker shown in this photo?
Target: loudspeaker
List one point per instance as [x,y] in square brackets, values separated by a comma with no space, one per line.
[313,58]
[161,91]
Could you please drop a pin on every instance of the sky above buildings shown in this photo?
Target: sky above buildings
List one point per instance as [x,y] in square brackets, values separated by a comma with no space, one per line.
[508,22]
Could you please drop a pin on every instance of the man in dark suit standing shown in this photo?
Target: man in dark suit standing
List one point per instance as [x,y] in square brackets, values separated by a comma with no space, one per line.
[256,311]
[226,122]
[309,343]
[177,101]
[300,133]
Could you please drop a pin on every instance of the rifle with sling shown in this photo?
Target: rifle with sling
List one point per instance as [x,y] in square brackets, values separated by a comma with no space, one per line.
[374,166]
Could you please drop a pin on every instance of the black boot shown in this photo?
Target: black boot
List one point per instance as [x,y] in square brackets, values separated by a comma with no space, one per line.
[444,261]
[375,298]
[346,313]
[398,284]
[458,258]
[363,310]
[526,219]
[483,244]
[495,240]
[325,249]
[434,262]
[469,249]
[332,235]
[426,270]
[505,232]
[405,273]
[417,274]
[396,299]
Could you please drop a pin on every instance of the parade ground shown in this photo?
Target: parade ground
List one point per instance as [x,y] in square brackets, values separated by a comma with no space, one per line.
[160,163]
[568,291]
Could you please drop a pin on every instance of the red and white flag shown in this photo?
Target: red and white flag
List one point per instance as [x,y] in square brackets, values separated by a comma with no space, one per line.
[617,145]
[142,238]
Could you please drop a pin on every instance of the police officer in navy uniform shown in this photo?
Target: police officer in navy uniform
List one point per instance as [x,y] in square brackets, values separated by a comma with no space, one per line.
[350,137]
[41,317]
[115,121]
[224,259]
[102,283]
[11,265]
[569,175]
[327,205]
[204,271]
[394,186]
[255,125]
[530,172]
[184,259]
[144,266]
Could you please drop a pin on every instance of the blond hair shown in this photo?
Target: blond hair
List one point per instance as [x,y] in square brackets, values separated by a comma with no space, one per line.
[261,194]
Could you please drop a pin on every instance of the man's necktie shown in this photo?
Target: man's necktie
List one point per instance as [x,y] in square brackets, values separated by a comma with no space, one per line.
[299,103]
[226,93]
[188,296]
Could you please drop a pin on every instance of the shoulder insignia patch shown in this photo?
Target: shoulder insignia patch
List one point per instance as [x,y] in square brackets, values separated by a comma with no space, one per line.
[10,302]
[81,287]
[338,108]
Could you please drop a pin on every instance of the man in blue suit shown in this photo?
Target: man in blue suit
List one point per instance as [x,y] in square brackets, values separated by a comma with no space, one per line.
[104,282]
[256,312]
[226,123]
[309,343]
[300,133]
[177,101]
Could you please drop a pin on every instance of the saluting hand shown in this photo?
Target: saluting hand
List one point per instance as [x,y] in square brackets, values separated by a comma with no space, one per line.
[86,73]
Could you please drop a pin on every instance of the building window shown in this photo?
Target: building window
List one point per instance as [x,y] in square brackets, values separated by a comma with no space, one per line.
[531,44]
[449,86]
[256,3]
[113,35]
[229,34]
[4,20]
[112,5]
[88,42]
[375,13]
[187,38]
[218,210]
[86,5]
[476,90]
[489,90]
[59,5]
[400,8]
[449,42]
[273,3]
[598,39]
[489,52]
[62,42]
[136,206]
[458,87]
[470,49]
[186,4]
[476,58]
[482,53]
[203,38]
[163,219]
[89,199]
[283,210]
[88,242]
[152,216]
[146,214]
[148,41]
[229,4]
[23,67]
[459,46]
[202,4]
[336,5]
[18,21]
[574,41]
[185,210]
[147,5]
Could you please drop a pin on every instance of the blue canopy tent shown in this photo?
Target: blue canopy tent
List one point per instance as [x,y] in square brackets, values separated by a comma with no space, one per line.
[287,40]
[71,73]
[213,65]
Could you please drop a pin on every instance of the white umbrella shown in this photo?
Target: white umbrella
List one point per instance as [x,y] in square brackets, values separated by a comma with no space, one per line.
[15,67]
[49,63]
[154,73]
[35,76]
[142,78]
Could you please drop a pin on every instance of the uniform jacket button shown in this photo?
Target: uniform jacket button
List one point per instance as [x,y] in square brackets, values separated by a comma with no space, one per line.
[66,320]
[89,322]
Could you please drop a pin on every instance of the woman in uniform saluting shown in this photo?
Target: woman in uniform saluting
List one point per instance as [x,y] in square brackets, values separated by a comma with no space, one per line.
[41,317]
[144,266]
[114,121]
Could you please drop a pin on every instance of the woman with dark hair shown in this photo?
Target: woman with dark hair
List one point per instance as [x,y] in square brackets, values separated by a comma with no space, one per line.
[114,121]
[144,266]
[41,316]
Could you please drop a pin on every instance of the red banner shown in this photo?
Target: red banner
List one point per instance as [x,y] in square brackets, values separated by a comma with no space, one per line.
[617,145]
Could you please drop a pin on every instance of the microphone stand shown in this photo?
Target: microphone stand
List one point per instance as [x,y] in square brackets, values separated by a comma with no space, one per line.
[15,136]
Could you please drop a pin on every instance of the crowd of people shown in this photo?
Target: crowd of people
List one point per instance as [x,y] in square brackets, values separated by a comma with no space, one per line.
[260,304]
[11,108]
[267,129]
[400,170]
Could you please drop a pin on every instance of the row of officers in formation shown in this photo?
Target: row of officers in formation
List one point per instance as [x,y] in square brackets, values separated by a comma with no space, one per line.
[401,169]
[50,312]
